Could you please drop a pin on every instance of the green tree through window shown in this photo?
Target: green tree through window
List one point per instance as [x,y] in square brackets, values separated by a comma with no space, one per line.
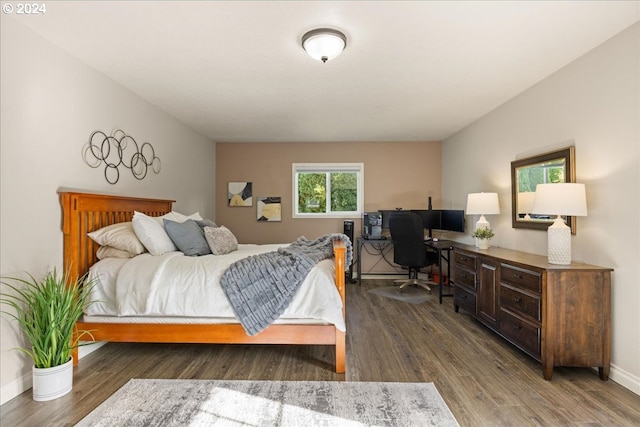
[327,189]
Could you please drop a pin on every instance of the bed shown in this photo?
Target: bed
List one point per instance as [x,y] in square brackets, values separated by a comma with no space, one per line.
[83,213]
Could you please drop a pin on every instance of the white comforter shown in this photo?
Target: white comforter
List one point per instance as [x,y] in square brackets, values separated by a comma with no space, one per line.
[180,286]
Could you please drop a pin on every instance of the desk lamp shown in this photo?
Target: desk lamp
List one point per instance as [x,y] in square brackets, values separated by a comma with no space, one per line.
[560,199]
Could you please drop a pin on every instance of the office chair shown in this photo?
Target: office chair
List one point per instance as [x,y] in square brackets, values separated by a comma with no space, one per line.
[409,250]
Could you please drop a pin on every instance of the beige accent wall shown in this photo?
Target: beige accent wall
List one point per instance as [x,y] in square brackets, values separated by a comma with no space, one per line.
[396,174]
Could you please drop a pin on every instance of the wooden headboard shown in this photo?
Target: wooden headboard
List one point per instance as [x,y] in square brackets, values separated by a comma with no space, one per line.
[83,213]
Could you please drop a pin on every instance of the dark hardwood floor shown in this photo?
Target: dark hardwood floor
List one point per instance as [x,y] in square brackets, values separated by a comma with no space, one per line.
[484,380]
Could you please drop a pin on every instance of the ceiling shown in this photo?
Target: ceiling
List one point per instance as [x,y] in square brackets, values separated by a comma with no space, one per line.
[235,71]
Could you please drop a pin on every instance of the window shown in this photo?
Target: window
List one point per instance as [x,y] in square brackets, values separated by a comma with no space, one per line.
[327,190]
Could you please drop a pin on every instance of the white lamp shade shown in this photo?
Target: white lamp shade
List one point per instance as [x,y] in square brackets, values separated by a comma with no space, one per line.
[482,204]
[525,201]
[324,43]
[560,199]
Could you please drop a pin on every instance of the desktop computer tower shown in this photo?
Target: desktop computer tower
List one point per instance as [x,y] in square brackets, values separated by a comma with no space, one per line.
[372,225]
[348,231]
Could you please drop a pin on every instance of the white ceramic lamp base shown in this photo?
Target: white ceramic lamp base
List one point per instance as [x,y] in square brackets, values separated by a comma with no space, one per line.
[559,242]
[482,223]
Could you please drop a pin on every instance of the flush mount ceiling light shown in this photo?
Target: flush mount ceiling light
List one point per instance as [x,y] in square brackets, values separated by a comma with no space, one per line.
[323,44]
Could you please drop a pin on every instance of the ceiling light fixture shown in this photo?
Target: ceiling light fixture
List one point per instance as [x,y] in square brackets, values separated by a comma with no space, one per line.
[323,44]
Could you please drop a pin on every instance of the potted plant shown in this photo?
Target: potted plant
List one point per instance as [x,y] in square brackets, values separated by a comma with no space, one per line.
[47,312]
[483,235]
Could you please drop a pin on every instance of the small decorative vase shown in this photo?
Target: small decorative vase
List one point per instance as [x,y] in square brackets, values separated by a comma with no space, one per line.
[51,383]
[483,243]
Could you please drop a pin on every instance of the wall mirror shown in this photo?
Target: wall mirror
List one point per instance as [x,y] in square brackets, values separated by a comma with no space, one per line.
[555,166]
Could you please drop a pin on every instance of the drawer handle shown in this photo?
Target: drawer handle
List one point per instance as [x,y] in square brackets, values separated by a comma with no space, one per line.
[463,297]
[463,258]
[517,327]
[516,299]
[463,276]
[517,276]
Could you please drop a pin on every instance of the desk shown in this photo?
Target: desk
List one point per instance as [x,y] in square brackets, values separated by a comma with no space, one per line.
[443,248]
[382,243]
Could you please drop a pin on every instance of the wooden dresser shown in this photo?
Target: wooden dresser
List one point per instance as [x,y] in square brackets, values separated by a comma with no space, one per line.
[558,314]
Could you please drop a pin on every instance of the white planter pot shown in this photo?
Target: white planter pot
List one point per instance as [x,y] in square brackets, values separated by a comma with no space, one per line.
[483,243]
[51,383]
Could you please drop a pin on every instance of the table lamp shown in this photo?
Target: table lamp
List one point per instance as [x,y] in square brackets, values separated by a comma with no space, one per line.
[482,204]
[560,199]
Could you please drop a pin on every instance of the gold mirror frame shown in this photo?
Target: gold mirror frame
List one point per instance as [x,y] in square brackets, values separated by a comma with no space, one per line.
[555,166]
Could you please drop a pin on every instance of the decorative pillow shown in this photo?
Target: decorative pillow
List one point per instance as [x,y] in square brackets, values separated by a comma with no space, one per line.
[151,233]
[205,223]
[220,240]
[119,236]
[187,236]
[111,252]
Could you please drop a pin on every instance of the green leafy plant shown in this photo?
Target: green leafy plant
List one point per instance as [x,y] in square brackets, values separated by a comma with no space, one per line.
[483,233]
[47,312]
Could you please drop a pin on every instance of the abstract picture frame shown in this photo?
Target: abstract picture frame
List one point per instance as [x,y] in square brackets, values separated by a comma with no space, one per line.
[269,209]
[239,193]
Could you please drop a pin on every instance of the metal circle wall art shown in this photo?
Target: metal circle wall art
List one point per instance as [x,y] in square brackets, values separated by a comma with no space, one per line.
[118,150]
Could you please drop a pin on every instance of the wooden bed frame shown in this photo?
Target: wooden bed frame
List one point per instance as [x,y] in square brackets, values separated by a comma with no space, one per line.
[84,212]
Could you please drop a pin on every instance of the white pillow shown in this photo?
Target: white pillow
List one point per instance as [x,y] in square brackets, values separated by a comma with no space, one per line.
[151,233]
[178,217]
[111,252]
[150,230]
[220,240]
[120,236]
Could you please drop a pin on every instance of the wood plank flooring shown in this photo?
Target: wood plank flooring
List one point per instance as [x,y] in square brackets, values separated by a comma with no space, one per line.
[484,380]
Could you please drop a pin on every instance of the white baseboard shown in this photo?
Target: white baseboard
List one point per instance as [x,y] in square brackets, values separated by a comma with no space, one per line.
[625,379]
[17,387]
[388,276]
[85,350]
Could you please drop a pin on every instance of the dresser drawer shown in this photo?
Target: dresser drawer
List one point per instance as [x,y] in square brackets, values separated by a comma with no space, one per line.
[521,333]
[464,277]
[462,259]
[464,299]
[523,279]
[517,301]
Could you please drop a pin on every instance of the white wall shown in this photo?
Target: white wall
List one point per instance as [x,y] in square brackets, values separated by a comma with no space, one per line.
[50,104]
[593,103]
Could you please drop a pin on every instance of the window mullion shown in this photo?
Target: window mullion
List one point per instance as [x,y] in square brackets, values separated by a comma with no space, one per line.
[328,192]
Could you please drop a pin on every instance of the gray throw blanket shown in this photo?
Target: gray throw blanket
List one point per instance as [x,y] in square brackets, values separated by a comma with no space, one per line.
[261,287]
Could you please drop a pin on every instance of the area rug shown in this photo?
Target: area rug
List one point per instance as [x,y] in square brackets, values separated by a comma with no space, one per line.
[410,294]
[271,403]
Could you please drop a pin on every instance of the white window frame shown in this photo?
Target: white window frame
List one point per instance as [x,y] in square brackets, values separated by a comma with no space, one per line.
[357,168]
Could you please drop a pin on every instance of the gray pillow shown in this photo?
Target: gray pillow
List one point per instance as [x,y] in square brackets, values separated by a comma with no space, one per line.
[187,236]
[205,223]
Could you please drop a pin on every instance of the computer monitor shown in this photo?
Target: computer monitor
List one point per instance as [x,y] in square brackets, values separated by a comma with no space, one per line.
[431,218]
[442,219]
[452,220]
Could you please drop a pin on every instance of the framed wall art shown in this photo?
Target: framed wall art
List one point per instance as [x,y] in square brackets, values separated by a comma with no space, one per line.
[269,209]
[239,194]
